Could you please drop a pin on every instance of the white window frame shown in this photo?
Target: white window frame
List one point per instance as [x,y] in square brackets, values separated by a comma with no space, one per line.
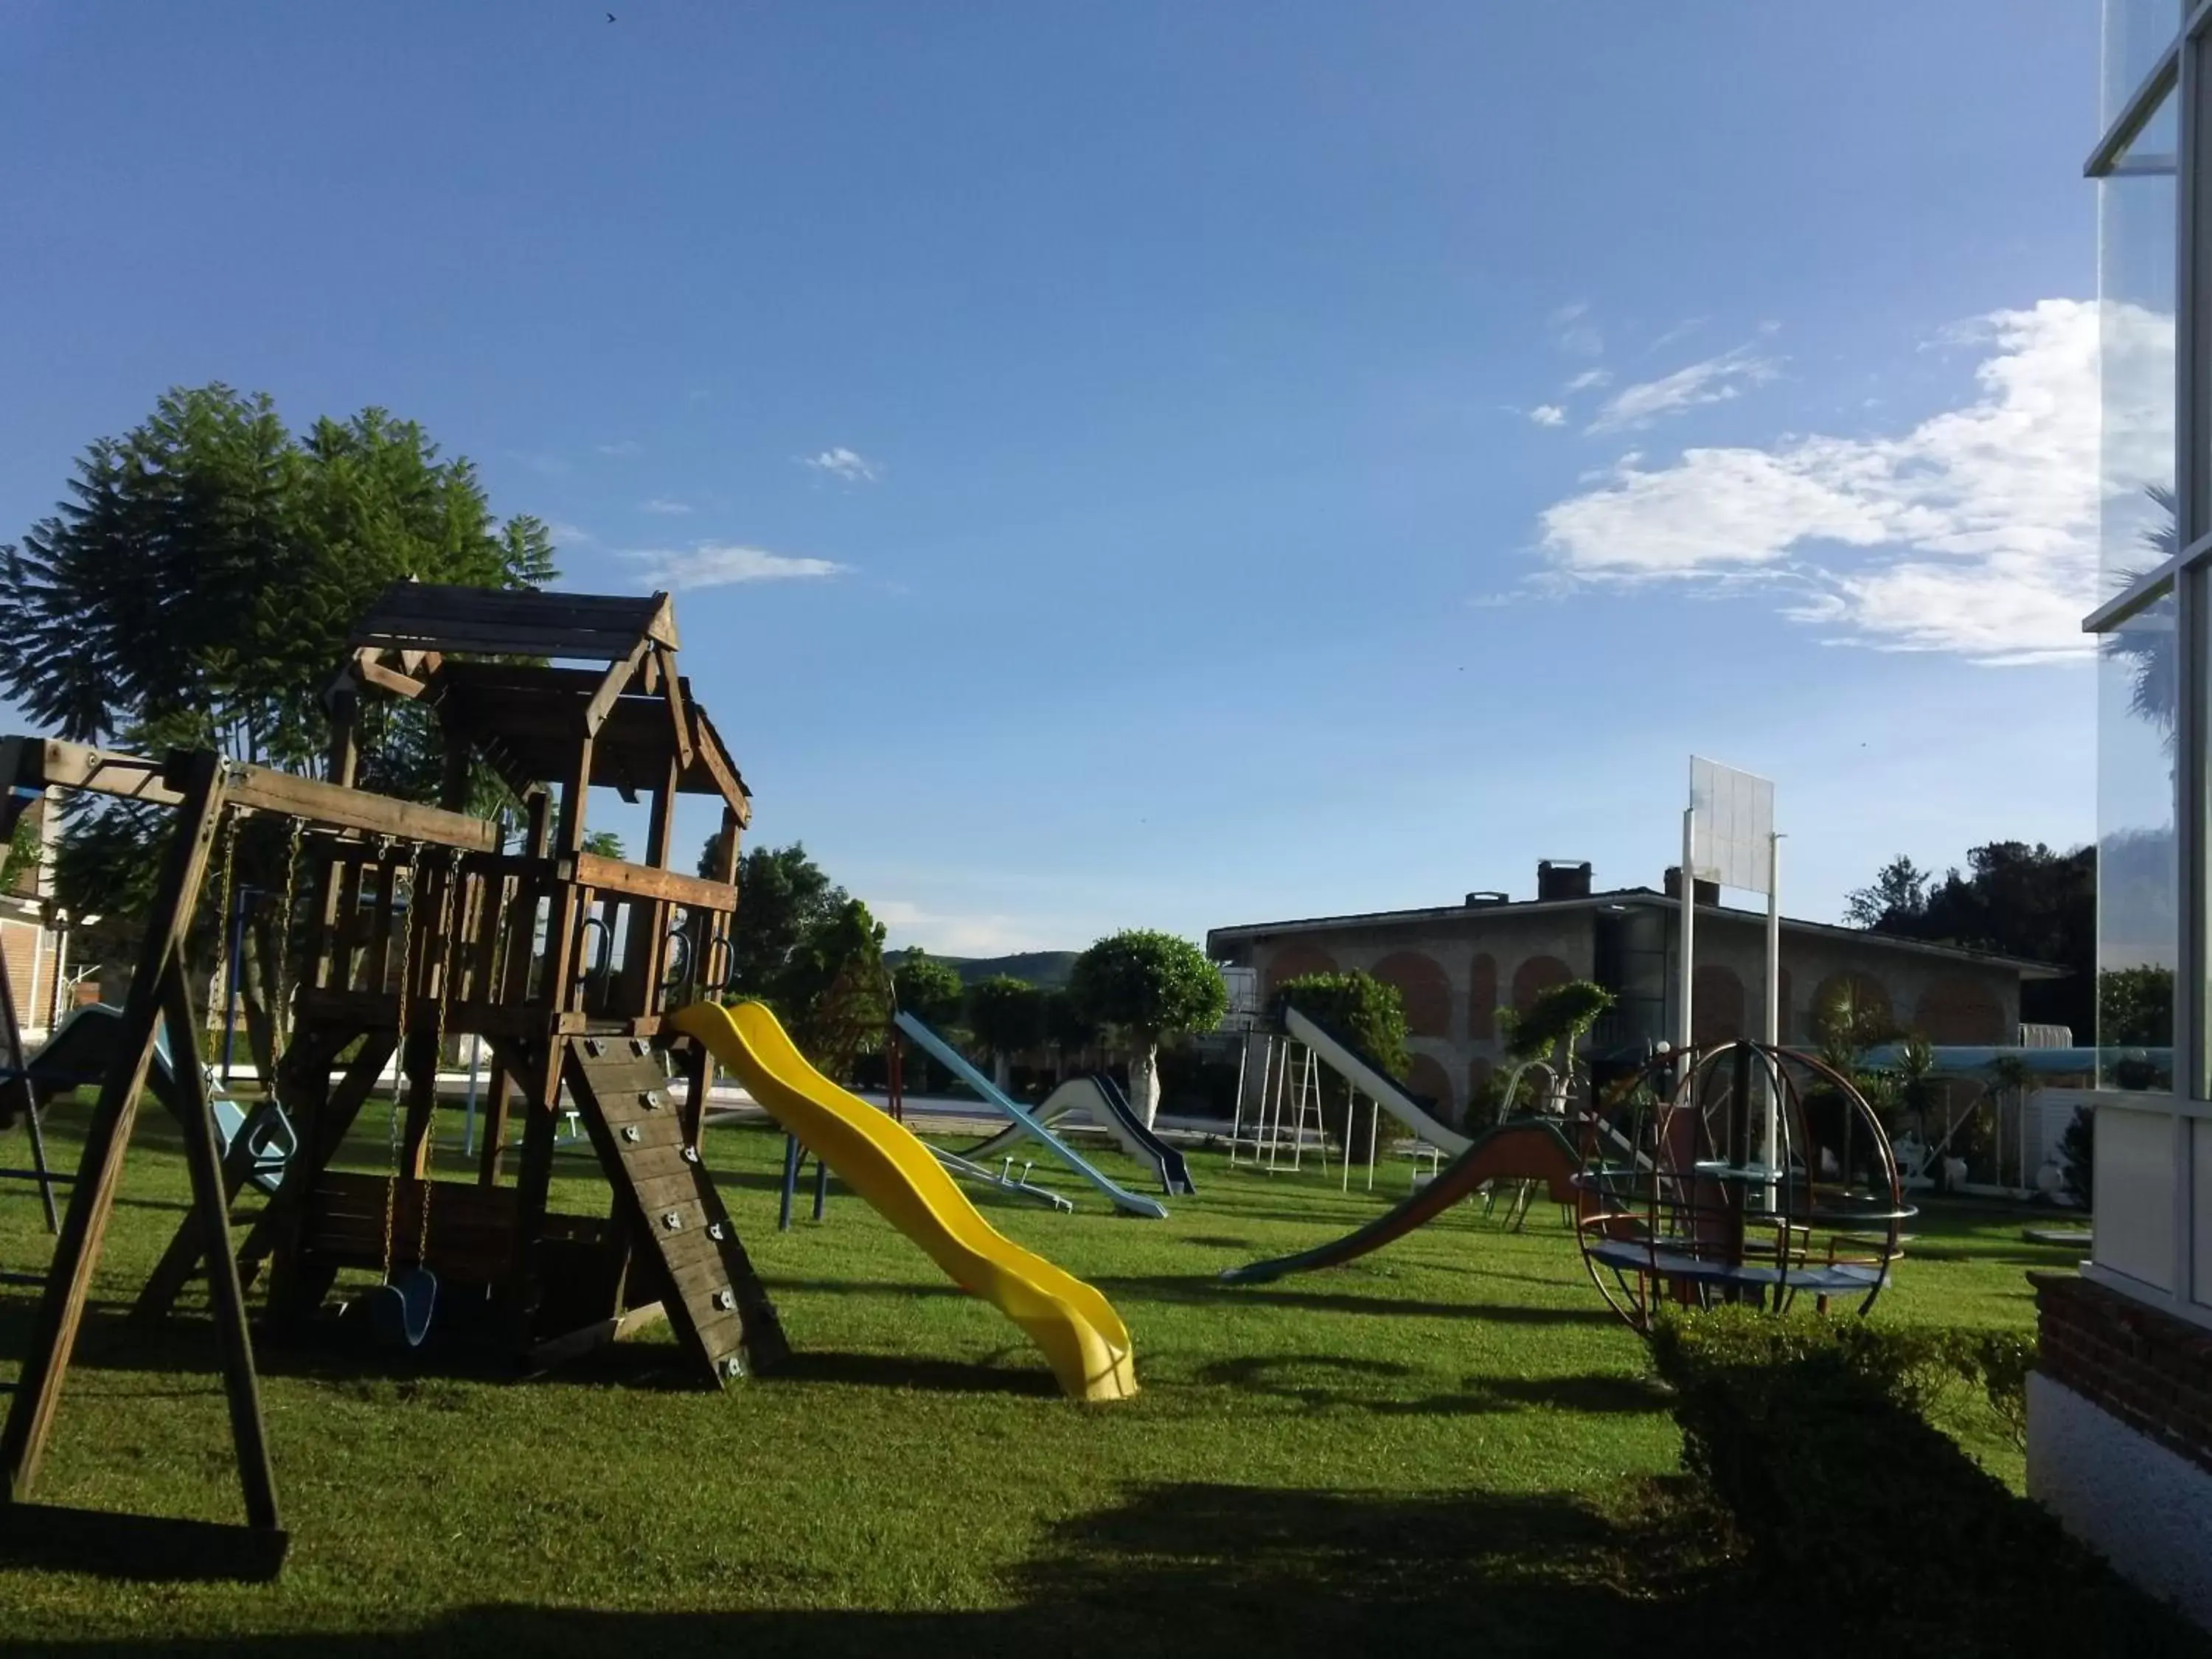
[2184,72]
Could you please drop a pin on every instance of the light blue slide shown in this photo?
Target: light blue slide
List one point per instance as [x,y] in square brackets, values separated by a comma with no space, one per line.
[79,1053]
[951,1059]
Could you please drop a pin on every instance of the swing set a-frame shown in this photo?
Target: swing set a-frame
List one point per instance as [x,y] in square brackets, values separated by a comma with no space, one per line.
[421,925]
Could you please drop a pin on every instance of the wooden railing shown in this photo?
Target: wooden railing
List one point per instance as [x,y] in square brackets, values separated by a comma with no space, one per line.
[473,929]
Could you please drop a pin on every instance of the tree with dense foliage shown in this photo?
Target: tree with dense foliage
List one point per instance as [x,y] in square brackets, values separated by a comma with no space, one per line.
[197,588]
[834,994]
[931,990]
[1007,1016]
[783,898]
[1557,1018]
[1068,1029]
[20,861]
[809,950]
[1148,985]
[1358,1009]
[2012,898]
[2134,1007]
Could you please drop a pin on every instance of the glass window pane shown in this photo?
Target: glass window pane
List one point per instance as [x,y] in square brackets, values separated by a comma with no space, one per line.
[2135,281]
[2136,907]
[2135,32]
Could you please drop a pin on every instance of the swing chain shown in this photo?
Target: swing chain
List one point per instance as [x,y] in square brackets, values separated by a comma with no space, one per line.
[442,941]
[281,1011]
[400,1051]
[226,951]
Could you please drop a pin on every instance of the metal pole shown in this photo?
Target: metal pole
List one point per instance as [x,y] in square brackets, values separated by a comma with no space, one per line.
[1771,1084]
[38,956]
[54,981]
[469,1122]
[1689,929]
[790,1183]
[1237,1106]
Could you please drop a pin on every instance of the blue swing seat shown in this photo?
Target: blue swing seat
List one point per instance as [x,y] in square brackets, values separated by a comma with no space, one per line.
[399,1310]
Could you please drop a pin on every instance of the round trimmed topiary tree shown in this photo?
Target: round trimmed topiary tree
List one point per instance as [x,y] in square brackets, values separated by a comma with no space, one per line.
[1148,985]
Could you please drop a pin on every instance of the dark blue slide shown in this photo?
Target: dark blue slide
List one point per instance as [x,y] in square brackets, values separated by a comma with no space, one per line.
[1100,1098]
[1139,1141]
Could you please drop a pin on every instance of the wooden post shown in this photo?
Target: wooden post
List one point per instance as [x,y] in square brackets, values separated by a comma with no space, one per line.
[492,1145]
[540,1079]
[345,728]
[303,1081]
[212,1205]
[17,1085]
[540,1073]
[91,1200]
[322,1131]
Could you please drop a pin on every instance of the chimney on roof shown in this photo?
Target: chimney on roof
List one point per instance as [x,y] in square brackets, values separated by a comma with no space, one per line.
[1563,878]
[1708,892]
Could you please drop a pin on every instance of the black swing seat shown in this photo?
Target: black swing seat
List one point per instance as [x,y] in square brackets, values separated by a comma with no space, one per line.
[400,1309]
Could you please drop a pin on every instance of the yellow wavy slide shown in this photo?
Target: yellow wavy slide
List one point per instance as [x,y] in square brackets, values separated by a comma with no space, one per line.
[879,1158]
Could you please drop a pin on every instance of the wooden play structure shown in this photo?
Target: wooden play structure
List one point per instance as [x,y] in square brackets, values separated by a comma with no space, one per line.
[418,925]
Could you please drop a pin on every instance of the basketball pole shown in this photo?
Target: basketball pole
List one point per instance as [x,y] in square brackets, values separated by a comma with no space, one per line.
[1689,897]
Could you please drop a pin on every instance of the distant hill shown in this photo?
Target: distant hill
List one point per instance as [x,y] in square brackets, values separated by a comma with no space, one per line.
[1047,968]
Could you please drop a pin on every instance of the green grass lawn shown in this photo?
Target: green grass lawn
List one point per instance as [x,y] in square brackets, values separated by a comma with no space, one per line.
[1451,1442]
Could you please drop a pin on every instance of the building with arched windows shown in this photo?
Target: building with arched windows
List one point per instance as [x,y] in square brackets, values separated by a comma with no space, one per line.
[1456,966]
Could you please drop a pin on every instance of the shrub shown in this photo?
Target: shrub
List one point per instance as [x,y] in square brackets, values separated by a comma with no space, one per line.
[1358,1009]
[1812,1433]
[1560,1014]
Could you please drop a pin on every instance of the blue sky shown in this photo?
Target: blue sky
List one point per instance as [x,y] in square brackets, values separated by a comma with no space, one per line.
[1168,464]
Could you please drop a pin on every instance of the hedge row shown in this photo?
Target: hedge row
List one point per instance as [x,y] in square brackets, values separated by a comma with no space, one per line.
[1854,1507]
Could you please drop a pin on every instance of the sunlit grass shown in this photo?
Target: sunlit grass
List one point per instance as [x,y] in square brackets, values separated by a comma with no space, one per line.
[1443,1429]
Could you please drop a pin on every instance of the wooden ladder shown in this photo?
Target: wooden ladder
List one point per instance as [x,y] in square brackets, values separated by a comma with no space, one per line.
[719,1309]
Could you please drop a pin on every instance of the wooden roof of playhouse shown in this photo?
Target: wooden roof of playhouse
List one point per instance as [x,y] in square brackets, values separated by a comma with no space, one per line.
[488,661]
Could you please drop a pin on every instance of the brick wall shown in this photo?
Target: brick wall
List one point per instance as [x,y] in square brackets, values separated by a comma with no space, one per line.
[2149,1370]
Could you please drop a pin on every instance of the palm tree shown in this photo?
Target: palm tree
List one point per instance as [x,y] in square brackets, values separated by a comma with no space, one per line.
[2154,690]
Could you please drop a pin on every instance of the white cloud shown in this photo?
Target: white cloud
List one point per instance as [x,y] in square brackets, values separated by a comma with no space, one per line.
[943,934]
[720,564]
[1548,415]
[1975,532]
[1682,329]
[624,447]
[849,464]
[568,535]
[662,505]
[1574,331]
[1715,380]
[1587,380]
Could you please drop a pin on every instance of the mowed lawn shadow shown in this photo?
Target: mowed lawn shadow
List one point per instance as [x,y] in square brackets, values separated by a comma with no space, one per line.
[1194,1568]
[901,1371]
[1210,1289]
[1319,1381]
